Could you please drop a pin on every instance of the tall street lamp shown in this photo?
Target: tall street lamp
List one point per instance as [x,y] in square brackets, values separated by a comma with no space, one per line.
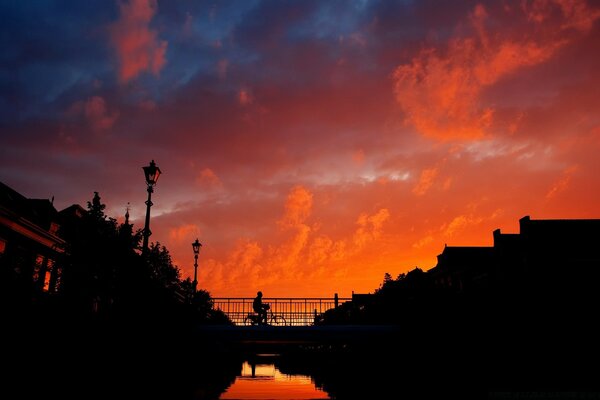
[196,246]
[152,172]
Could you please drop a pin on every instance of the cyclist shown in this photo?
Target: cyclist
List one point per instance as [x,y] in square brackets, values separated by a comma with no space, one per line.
[260,308]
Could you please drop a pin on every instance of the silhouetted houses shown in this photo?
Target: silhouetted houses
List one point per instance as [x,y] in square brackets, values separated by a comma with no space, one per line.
[545,256]
[463,268]
[555,257]
[30,247]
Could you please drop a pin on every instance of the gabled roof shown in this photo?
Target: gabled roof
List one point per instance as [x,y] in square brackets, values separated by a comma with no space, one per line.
[461,257]
[30,218]
[39,211]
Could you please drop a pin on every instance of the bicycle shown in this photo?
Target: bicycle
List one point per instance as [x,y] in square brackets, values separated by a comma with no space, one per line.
[272,319]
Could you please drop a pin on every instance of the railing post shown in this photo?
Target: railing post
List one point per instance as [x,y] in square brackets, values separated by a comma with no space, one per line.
[335,300]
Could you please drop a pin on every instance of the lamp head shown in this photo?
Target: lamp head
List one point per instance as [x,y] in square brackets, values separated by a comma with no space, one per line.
[151,172]
[196,246]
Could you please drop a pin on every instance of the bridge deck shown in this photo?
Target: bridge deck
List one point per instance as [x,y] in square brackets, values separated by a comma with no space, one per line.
[298,335]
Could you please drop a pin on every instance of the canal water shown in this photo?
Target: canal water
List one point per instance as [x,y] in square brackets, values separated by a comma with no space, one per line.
[261,379]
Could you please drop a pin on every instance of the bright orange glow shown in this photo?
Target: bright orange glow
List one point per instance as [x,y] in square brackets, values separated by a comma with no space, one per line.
[270,383]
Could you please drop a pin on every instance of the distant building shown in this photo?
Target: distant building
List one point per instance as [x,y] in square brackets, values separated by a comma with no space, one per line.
[550,253]
[546,254]
[30,247]
[463,268]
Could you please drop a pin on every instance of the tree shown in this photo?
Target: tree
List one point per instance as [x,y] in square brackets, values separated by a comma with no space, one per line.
[106,278]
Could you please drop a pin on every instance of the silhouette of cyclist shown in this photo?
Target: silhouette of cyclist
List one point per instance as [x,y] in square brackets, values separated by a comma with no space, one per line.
[260,308]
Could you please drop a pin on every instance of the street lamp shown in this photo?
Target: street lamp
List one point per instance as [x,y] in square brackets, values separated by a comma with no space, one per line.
[196,246]
[152,172]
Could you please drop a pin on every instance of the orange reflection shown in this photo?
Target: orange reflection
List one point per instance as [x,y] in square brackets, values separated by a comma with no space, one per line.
[267,382]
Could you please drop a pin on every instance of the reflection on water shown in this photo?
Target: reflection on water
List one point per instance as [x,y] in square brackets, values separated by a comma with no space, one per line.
[261,379]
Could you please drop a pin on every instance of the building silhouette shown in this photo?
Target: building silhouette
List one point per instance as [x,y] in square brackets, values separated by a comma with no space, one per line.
[31,249]
[552,258]
[463,268]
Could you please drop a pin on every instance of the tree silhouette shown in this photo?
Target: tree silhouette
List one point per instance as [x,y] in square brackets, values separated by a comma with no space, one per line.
[106,279]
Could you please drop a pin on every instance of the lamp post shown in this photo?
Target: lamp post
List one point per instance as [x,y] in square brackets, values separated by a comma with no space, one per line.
[196,246]
[152,172]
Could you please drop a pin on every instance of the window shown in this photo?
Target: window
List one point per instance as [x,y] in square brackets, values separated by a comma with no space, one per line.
[43,271]
[48,276]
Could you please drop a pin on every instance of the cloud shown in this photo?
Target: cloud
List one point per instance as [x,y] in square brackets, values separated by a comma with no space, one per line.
[207,177]
[424,241]
[460,223]
[184,232]
[94,113]
[298,206]
[369,227]
[137,45]
[425,181]
[577,14]
[302,254]
[562,183]
[440,90]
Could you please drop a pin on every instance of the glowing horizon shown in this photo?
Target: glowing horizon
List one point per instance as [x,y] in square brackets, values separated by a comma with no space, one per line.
[311,147]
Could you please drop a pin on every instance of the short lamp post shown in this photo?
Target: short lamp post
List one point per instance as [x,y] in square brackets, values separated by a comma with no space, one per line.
[196,246]
[152,172]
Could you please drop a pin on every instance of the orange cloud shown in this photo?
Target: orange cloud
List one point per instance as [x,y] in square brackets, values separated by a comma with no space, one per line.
[207,177]
[457,224]
[440,90]
[298,206]
[577,13]
[369,227]
[562,183]
[138,47]
[423,242]
[305,255]
[425,181]
[184,232]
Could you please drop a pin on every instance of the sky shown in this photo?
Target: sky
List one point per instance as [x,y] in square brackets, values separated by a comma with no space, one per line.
[311,146]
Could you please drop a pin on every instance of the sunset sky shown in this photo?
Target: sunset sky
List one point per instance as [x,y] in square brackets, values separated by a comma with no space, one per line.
[311,146]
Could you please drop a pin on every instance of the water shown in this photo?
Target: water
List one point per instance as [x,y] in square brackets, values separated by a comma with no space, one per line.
[263,380]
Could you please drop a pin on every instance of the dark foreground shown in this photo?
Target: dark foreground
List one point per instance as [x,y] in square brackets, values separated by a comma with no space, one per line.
[348,362]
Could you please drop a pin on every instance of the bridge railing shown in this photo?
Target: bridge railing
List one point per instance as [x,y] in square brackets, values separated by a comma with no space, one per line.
[296,311]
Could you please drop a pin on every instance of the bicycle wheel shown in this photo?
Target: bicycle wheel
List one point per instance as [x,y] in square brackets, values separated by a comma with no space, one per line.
[249,321]
[278,320]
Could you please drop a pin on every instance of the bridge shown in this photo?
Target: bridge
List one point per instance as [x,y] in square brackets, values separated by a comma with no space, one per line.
[299,330]
[275,339]
[289,311]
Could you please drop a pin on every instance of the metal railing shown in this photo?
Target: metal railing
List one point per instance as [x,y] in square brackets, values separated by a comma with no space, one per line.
[295,311]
